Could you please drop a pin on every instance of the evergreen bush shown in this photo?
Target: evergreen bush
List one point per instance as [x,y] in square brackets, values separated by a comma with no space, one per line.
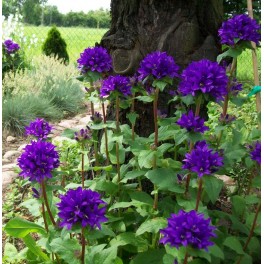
[55,45]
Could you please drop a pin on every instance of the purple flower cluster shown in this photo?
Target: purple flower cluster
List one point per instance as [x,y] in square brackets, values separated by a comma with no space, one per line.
[192,122]
[83,135]
[97,118]
[235,87]
[118,83]
[81,207]
[255,154]
[204,77]
[38,160]
[11,46]
[202,160]
[158,65]
[188,229]
[239,27]
[38,128]
[95,59]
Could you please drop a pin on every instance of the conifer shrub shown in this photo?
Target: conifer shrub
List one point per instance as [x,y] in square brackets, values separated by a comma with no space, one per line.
[55,45]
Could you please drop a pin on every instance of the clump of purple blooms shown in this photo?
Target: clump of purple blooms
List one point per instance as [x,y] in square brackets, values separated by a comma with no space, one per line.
[239,27]
[38,128]
[255,154]
[158,65]
[192,122]
[38,160]
[83,135]
[202,160]
[11,46]
[95,59]
[97,118]
[235,87]
[188,229]
[118,83]
[204,77]
[83,207]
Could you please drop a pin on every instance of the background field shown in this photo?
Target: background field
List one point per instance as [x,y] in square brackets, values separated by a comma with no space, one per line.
[77,39]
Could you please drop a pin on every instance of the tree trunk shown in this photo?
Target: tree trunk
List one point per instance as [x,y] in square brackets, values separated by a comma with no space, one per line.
[185,29]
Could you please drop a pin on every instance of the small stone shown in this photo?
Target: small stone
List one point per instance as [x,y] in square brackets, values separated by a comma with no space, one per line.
[11,154]
[9,167]
[67,123]
[7,178]
[5,161]
[85,120]
[10,139]
[226,179]
[22,147]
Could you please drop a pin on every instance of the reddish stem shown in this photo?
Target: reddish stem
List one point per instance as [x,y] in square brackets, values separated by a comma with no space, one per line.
[199,194]
[46,202]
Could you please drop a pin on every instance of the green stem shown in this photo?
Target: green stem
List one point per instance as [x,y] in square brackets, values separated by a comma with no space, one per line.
[156,144]
[185,258]
[82,172]
[199,194]
[132,111]
[83,246]
[117,145]
[92,104]
[251,231]
[44,217]
[197,112]
[106,138]
[226,100]
[96,155]
[43,187]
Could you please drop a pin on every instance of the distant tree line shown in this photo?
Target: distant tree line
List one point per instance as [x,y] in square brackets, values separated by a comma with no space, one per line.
[37,12]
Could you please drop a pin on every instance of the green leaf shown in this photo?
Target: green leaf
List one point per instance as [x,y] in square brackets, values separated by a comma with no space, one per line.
[145,158]
[106,256]
[10,252]
[216,251]
[105,186]
[165,179]
[231,52]
[145,98]
[67,249]
[213,187]
[255,90]
[129,238]
[238,205]
[234,244]
[141,197]
[33,205]
[251,199]
[32,246]
[159,84]
[132,117]
[164,147]
[121,152]
[133,175]
[68,133]
[149,257]
[152,226]
[19,228]
[168,259]
[246,259]
[188,99]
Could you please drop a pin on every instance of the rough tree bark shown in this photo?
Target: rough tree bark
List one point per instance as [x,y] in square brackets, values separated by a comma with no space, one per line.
[185,29]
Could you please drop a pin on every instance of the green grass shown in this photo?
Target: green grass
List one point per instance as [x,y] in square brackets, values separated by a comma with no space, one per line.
[245,68]
[77,39]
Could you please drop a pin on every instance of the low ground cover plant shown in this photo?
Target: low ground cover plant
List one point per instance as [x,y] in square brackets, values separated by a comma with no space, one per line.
[46,90]
[106,214]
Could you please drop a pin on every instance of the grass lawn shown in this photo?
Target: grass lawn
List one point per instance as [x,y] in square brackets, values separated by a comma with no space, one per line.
[77,39]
